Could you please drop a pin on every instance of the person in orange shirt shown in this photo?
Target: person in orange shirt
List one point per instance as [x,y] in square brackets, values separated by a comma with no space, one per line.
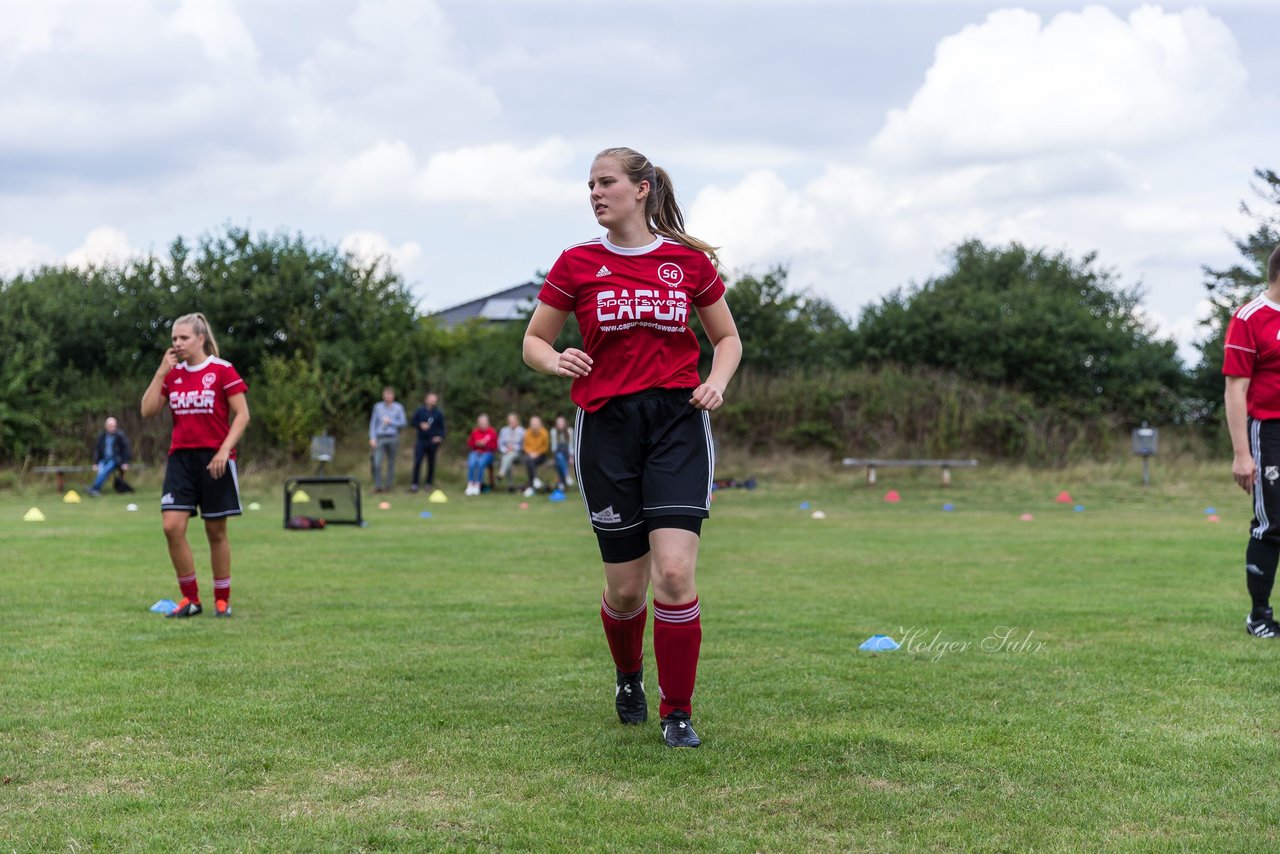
[537,445]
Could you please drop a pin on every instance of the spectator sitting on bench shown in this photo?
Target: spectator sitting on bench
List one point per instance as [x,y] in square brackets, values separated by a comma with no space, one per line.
[510,447]
[537,444]
[482,442]
[562,451]
[111,452]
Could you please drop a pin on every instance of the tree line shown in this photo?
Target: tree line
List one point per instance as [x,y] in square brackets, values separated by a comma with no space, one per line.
[1012,351]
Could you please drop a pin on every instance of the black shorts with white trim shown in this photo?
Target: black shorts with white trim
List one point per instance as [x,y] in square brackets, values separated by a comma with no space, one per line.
[643,458]
[188,486]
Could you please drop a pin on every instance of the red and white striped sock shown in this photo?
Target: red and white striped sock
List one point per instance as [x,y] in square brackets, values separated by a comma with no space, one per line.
[625,633]
[677,640]
[222,589]
[190,590]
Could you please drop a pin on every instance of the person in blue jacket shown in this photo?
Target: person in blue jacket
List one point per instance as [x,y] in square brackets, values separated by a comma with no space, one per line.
[110,453]
[429,421]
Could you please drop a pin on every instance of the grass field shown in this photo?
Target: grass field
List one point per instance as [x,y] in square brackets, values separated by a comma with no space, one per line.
[443,683]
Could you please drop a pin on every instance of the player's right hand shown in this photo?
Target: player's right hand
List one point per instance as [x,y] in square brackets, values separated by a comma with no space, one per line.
[1244,472]
[573,363]
[168,361]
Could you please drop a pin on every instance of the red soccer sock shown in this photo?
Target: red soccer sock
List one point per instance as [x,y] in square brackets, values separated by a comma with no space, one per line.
[677,640]
[625,633]
[222,589]
[190,590]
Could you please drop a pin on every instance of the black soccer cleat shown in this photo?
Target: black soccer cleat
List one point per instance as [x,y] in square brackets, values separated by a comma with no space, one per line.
[186,608]
[1263,627]
[677,730]
[629,698]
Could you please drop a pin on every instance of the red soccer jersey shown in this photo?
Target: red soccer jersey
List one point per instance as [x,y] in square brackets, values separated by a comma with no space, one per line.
[1253,351]
[633,308]
[197,396]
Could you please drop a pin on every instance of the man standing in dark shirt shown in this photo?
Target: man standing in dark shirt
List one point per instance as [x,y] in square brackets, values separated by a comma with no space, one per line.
[429,421]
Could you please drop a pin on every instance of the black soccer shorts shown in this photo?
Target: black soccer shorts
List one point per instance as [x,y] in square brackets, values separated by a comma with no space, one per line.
[643,457]
[188,485]
[1264,442]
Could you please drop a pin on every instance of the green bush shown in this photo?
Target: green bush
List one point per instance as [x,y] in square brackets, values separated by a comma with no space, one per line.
[289,402]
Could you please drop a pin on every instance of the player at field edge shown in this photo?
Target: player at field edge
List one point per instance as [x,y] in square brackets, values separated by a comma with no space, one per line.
[1251,364]
[643,450]
[207,398]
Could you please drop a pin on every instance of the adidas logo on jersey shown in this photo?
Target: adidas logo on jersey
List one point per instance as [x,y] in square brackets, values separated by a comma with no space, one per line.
[607,516]
[603,271]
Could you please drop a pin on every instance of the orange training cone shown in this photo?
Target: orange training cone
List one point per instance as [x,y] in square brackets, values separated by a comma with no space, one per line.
[892,496]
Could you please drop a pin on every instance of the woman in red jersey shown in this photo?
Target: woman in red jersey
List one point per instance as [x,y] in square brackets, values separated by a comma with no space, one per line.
[643,452]
[483,441]
[206,397]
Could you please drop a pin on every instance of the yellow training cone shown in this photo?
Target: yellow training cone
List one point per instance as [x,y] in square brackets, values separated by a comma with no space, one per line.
[301,497]
[72,497]
[438,497]
[33,515]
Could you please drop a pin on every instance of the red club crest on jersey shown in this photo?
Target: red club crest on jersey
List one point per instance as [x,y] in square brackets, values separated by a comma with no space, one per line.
[208,380]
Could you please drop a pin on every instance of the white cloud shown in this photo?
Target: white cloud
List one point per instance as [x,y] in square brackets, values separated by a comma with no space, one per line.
[385,171]
[502,174]
[757,220]
[219,29]
[504,179]
[1015,86]
[106,92]
[28,29]
[19,253]
[1186,331]
[103,245]
[370,247]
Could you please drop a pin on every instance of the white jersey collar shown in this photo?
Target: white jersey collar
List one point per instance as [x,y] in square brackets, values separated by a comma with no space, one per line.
[199,367]
[631,250]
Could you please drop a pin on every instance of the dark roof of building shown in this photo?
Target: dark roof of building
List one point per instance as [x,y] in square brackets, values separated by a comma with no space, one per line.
[512,304]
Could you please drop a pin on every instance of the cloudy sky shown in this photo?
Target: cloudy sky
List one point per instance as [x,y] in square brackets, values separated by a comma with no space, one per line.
[852,141]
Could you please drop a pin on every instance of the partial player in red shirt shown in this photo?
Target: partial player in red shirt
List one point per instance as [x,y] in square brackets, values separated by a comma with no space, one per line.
[643,450]
[1251,365]
[207,399]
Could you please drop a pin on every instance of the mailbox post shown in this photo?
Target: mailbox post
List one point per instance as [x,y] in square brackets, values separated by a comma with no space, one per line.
[1146,443]
[322,448]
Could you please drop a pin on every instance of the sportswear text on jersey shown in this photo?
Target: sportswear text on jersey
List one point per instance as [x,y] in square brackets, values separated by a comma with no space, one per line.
[192,402]
[642,303]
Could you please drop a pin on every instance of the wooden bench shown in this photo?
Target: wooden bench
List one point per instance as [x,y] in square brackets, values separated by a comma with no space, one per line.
[62,471]
[946,466]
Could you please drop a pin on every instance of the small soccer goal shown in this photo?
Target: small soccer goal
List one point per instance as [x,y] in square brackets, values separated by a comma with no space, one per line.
[336,500]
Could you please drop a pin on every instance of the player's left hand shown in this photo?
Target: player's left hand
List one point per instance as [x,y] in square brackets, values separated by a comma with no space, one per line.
[708,397]
[218,465]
